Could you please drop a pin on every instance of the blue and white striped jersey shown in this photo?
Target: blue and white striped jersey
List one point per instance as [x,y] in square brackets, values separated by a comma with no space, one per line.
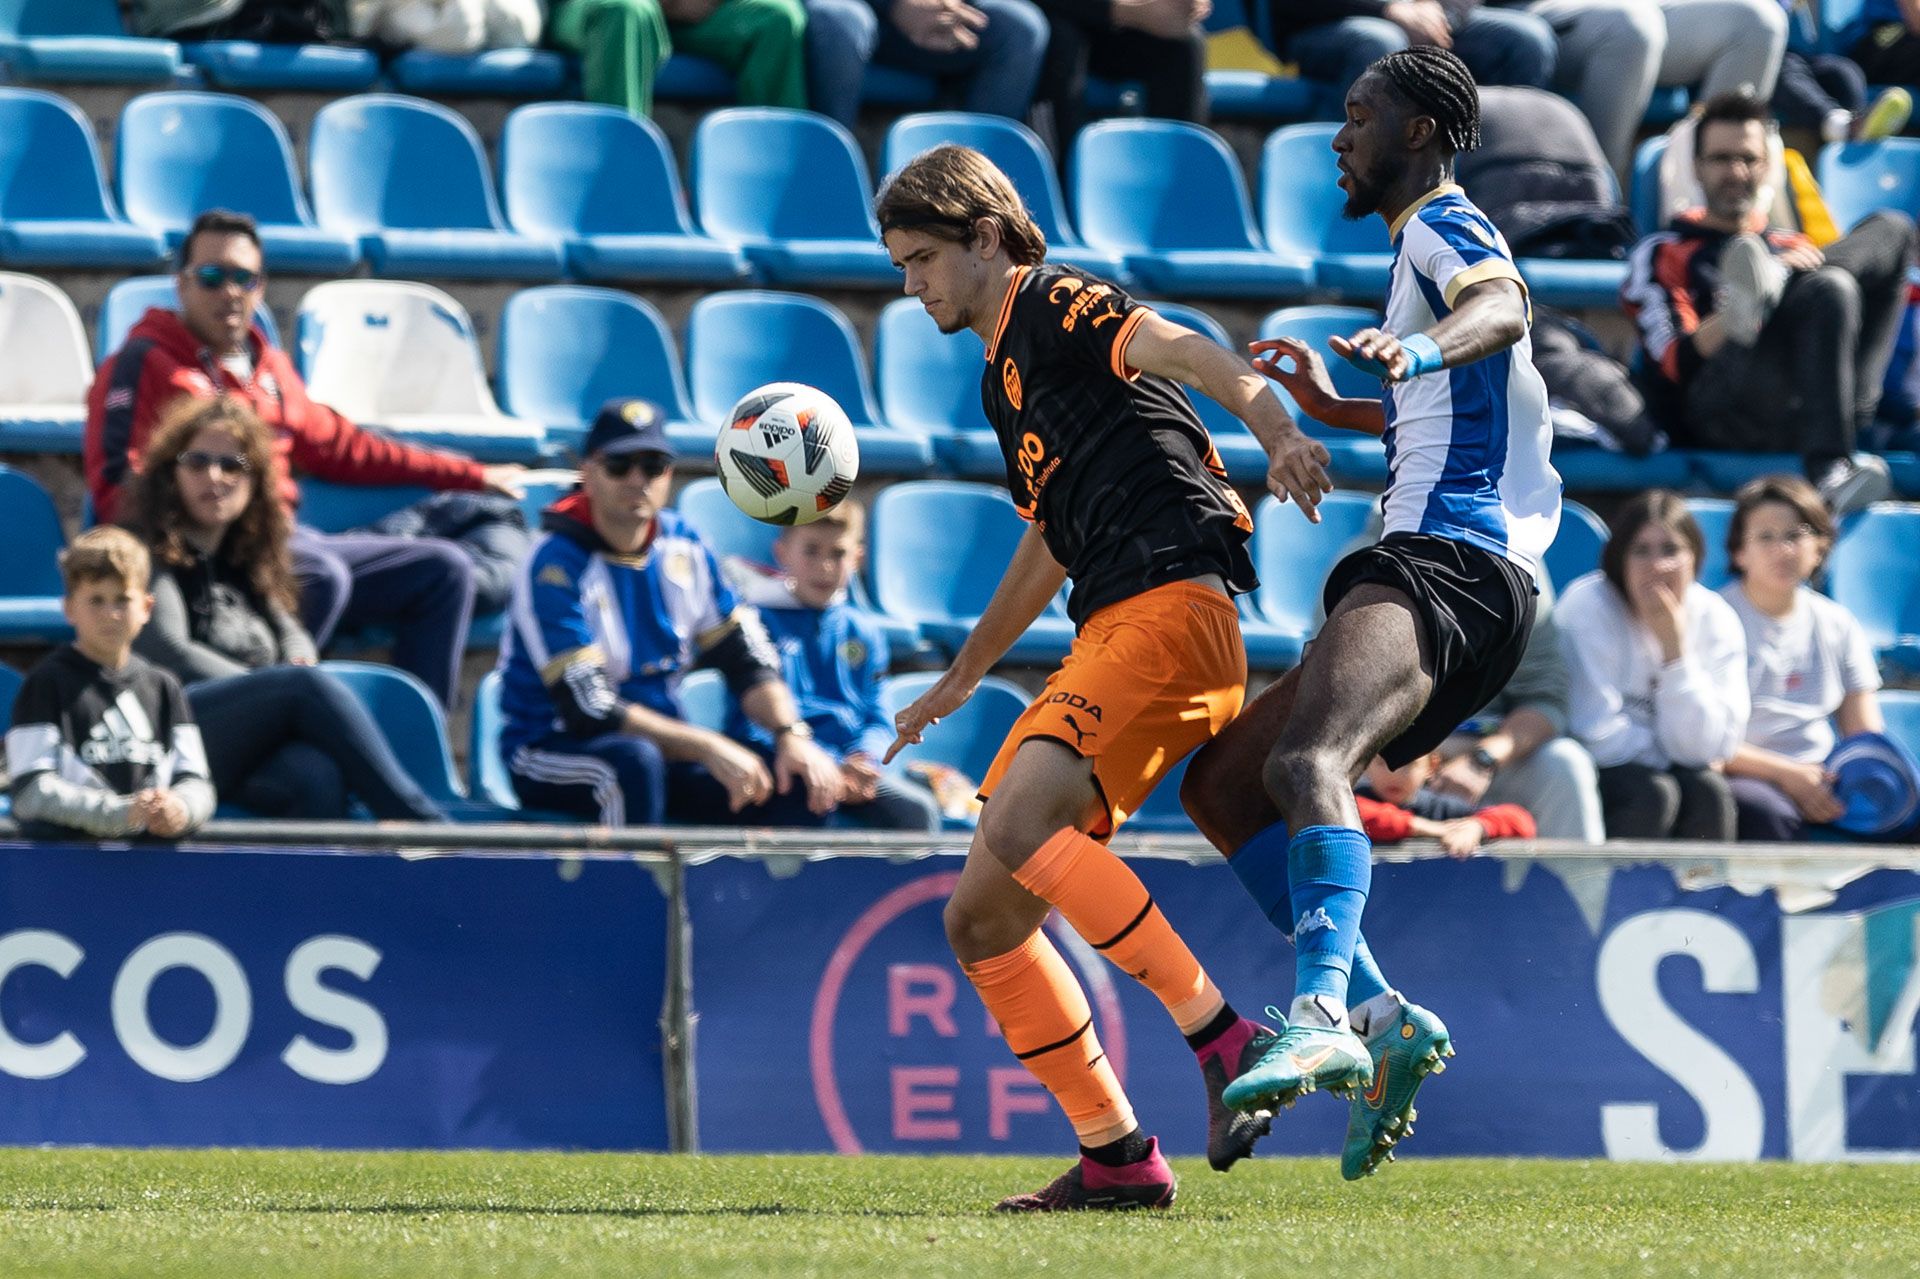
[1467,448]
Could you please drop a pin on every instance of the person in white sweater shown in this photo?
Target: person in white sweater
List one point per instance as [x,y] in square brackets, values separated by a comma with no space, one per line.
[1659,677]
[1810,665]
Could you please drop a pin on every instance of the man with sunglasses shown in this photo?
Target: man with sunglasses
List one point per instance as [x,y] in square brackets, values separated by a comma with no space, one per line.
[619,600]
[421,589]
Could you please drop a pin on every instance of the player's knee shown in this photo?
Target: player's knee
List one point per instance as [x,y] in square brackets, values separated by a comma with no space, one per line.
[1302,778]
[1014,832]
[974,935]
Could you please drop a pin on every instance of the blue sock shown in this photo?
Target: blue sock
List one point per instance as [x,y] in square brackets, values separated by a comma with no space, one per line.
[1331,869]
[1365,980]
[1261,864]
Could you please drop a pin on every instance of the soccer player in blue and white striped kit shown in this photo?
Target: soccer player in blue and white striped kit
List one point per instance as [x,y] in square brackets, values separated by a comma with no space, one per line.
[1423,628]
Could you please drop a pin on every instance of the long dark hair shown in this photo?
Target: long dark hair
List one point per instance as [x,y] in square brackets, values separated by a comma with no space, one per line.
[1656,506]
[256,543]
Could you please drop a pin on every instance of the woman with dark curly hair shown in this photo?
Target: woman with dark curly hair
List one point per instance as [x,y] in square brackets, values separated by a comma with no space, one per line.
[284,739]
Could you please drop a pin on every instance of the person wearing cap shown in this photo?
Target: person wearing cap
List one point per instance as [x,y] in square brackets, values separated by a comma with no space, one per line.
[618,601]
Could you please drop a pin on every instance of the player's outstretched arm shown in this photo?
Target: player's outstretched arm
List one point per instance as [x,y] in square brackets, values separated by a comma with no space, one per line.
[1307,382]
[1032,579]
[1487,318]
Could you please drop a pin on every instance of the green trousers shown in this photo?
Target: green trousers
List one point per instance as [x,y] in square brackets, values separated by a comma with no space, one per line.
[622,44]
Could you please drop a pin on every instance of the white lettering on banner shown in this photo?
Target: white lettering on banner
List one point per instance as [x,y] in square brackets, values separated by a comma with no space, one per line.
[1628,979]
[361,1020]
[365,1028]
[38,948]
[1848,1011]
[232,1007]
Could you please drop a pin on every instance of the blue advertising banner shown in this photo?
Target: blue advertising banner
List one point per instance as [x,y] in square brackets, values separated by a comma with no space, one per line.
[1599,1011]
[291,997]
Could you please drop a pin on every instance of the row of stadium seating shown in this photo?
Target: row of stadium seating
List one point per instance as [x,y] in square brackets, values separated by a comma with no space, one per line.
[938,549]
[782,197]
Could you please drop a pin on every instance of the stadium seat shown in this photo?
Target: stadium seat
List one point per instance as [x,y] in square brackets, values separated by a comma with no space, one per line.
[415,728]
[939,549]
[1576,547]
[1644,199]
[134,296]
[1170,199]
[1357,458]
[1242,455]
[10,682]
[491,73]
[180,154]
[336,508]
[1591,469]
[1900,707]
[966,740]
[738,341]
[1872,571]
[703,700]
[1300,203]
[79,40]
[486,772]
[602,182]
[1860,177]
[30,588]
[1726,472]
[1018,153]
[241,65]
[1714,515]
[791,190]
[1254,96]
[565,350]
[929,382]
[54,205]
[403,357]
[1294,556]
[410,179]
[47,370]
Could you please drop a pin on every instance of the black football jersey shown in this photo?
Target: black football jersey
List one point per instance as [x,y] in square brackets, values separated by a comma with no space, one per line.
[1112,464]
[122,731]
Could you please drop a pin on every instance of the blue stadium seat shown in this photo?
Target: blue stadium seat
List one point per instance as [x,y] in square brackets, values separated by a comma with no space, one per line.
[410,179]
[1590,469]
[603,183]
[969,738]
[1245,460]
[1250,95]
[491,73]
[54,206]
[566,349]
[335,508]
[47,370]
[180,154]
[30,588]
[1294,556]
[416,729]
[1860,177]
[134,296]
[1644,199]
[790,188]
[1900,707]
[313,68]
[685,77]
[486,772]
[1714,515]
[939,549]
[79,40]
[738,341]
[1170,198]
[1576,547]
[1357,458]
[1726,472]
[703,700]
[1300,203]
[1872,571]
[1667,104]
[929,382]
[1019,154]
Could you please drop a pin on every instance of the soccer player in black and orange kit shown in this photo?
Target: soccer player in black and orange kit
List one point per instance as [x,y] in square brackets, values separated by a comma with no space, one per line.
[1127,496]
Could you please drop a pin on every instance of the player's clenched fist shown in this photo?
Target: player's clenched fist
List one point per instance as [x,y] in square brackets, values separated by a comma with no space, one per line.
[948,694]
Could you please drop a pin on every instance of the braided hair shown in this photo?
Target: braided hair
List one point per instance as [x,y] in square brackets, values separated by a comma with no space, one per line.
[1436,83]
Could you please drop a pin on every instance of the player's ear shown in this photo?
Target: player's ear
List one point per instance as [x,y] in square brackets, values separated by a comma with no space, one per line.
[986,237]
[1419,131]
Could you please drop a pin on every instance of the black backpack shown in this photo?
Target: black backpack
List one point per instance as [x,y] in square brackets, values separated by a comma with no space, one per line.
[1540,175]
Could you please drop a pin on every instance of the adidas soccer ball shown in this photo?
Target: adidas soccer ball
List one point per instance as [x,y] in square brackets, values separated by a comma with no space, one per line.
[787,454]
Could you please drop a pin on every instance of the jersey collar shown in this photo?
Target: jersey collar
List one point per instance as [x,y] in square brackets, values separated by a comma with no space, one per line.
[1006,310]
[1445,188]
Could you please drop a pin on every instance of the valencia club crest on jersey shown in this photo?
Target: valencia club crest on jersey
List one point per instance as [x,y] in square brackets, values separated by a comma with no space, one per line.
[1010,379]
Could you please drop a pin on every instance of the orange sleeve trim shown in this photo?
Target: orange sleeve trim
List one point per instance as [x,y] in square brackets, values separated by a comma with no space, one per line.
[1121,369]
[1006,311]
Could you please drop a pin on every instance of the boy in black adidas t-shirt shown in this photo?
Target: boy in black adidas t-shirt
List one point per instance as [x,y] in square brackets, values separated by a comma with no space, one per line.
[102,743]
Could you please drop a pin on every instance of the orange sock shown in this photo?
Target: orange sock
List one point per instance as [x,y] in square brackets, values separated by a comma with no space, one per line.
[1108,905]
[1044,1015]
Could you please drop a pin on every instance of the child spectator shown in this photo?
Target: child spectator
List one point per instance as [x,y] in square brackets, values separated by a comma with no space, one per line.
[832,657]
[1395,803]
[102,743]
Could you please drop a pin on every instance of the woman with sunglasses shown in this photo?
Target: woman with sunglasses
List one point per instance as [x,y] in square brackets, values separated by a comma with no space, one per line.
[284,738]
[1810,665]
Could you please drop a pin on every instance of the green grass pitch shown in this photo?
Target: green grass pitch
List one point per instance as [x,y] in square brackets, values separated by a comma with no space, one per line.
[438,1216]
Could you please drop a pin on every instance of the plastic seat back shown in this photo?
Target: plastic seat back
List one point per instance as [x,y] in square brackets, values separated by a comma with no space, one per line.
[381,162]
[1873,571]
[1861,177]
[10,681]
[49,161]
[725,528]
[1714,515]
[1014,149]
[737,341]
[574,169]
[1144,186]
[1900,707]
[1293,556]
[939,548]
[969,738]
[486,772]
[929,381]
[32,18]
[1576,546]
[134,296]
[377,350]
[47,362]
[30,567]
[565,350]
[767,173]
[1300,197]
[411,720]
[180,154]
[1314,325]
[703,700]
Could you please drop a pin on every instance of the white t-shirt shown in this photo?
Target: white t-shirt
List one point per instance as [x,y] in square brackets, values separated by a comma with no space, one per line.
[1799,667]
[1626,705]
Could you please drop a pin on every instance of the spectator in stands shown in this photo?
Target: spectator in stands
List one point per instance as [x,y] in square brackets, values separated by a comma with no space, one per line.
[1885,41]
[1156,44]
[457,27]
[102,743]
[1333,41]
[1659,677]
[618,601]
[1825,94]
[284,738]
[622,44]
[1757,341]
[988,52]
[420,589]
[833,656]
[1395,803]
[1810,665]
[1527,758]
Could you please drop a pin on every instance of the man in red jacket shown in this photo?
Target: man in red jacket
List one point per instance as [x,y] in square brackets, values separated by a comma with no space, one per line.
[420,589]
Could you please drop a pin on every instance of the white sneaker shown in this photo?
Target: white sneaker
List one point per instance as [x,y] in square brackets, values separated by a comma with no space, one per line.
[1855,483]
[1752,281]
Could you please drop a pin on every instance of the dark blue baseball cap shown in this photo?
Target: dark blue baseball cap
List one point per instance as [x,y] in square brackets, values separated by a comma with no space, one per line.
[1879,781]
[628,426]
